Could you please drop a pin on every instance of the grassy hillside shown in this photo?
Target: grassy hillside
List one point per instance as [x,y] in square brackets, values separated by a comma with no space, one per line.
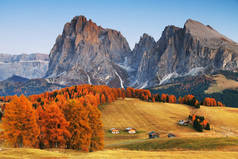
[221,83]
[143,116]
[163,117]
[220,142]
[202,143]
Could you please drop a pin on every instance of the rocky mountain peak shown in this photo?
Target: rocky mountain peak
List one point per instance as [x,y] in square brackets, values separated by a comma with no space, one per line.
[145,38]
[87,53]
[169,30]
[204,32]
[145,41]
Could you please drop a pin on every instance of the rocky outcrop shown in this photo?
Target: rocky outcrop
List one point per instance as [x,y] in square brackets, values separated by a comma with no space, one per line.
[190,50]
[87,53]
[25,65]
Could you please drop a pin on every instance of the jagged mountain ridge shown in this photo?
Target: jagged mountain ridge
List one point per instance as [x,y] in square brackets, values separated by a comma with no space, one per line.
[87,53]
[25,65]
[190,50]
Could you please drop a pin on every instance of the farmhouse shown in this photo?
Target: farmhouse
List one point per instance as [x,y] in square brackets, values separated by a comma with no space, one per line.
[131,130]
[115,131]
[153,134]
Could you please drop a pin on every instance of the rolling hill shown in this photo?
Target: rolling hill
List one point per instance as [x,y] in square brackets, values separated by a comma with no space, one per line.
[163,117]
[220,142]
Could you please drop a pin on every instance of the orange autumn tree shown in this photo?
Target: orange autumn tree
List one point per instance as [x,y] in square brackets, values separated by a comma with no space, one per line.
[220,104]
[97,138]
[103,99]
[211,102]
[60,101]
[19,123]
[181,100]
[77,115]
[53,127]
[189,100]
[164,97]
[172,99]
[153,98]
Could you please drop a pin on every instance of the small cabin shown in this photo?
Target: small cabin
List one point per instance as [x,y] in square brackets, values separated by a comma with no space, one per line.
[153,134]
[131,130]
[115,131]
[170,135]
[183,123]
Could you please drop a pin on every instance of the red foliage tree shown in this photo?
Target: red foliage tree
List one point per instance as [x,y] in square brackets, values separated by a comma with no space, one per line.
[172,99]
[77,115]
[164,97]
[211,102]
[97,138]
[103,99]
[19,123]
[53,127]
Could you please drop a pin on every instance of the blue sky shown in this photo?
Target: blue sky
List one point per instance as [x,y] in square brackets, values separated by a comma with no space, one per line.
[29,26]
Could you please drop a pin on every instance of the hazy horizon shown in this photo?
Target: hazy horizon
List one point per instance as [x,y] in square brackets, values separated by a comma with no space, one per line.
[32,26]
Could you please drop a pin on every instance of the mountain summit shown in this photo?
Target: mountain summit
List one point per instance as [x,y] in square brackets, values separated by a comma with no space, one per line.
[201,31]
[87,53]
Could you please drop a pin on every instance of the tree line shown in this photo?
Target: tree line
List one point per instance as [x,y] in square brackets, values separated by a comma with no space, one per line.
[66,118]
[69,117]
[166,98]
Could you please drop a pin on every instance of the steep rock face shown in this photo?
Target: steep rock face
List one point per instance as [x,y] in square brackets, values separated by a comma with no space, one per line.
[87,53]
[28,66]
[185,51]
[137,58]
[144,45]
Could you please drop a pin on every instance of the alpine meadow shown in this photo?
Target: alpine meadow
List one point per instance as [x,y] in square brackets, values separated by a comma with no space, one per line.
[127,79]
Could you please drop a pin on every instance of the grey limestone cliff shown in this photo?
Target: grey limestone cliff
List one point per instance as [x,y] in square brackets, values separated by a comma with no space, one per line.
[87,53]
[193,49]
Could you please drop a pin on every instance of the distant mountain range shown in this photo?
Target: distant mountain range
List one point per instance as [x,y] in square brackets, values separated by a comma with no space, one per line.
[17,85]
[88,53]
[25,65]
